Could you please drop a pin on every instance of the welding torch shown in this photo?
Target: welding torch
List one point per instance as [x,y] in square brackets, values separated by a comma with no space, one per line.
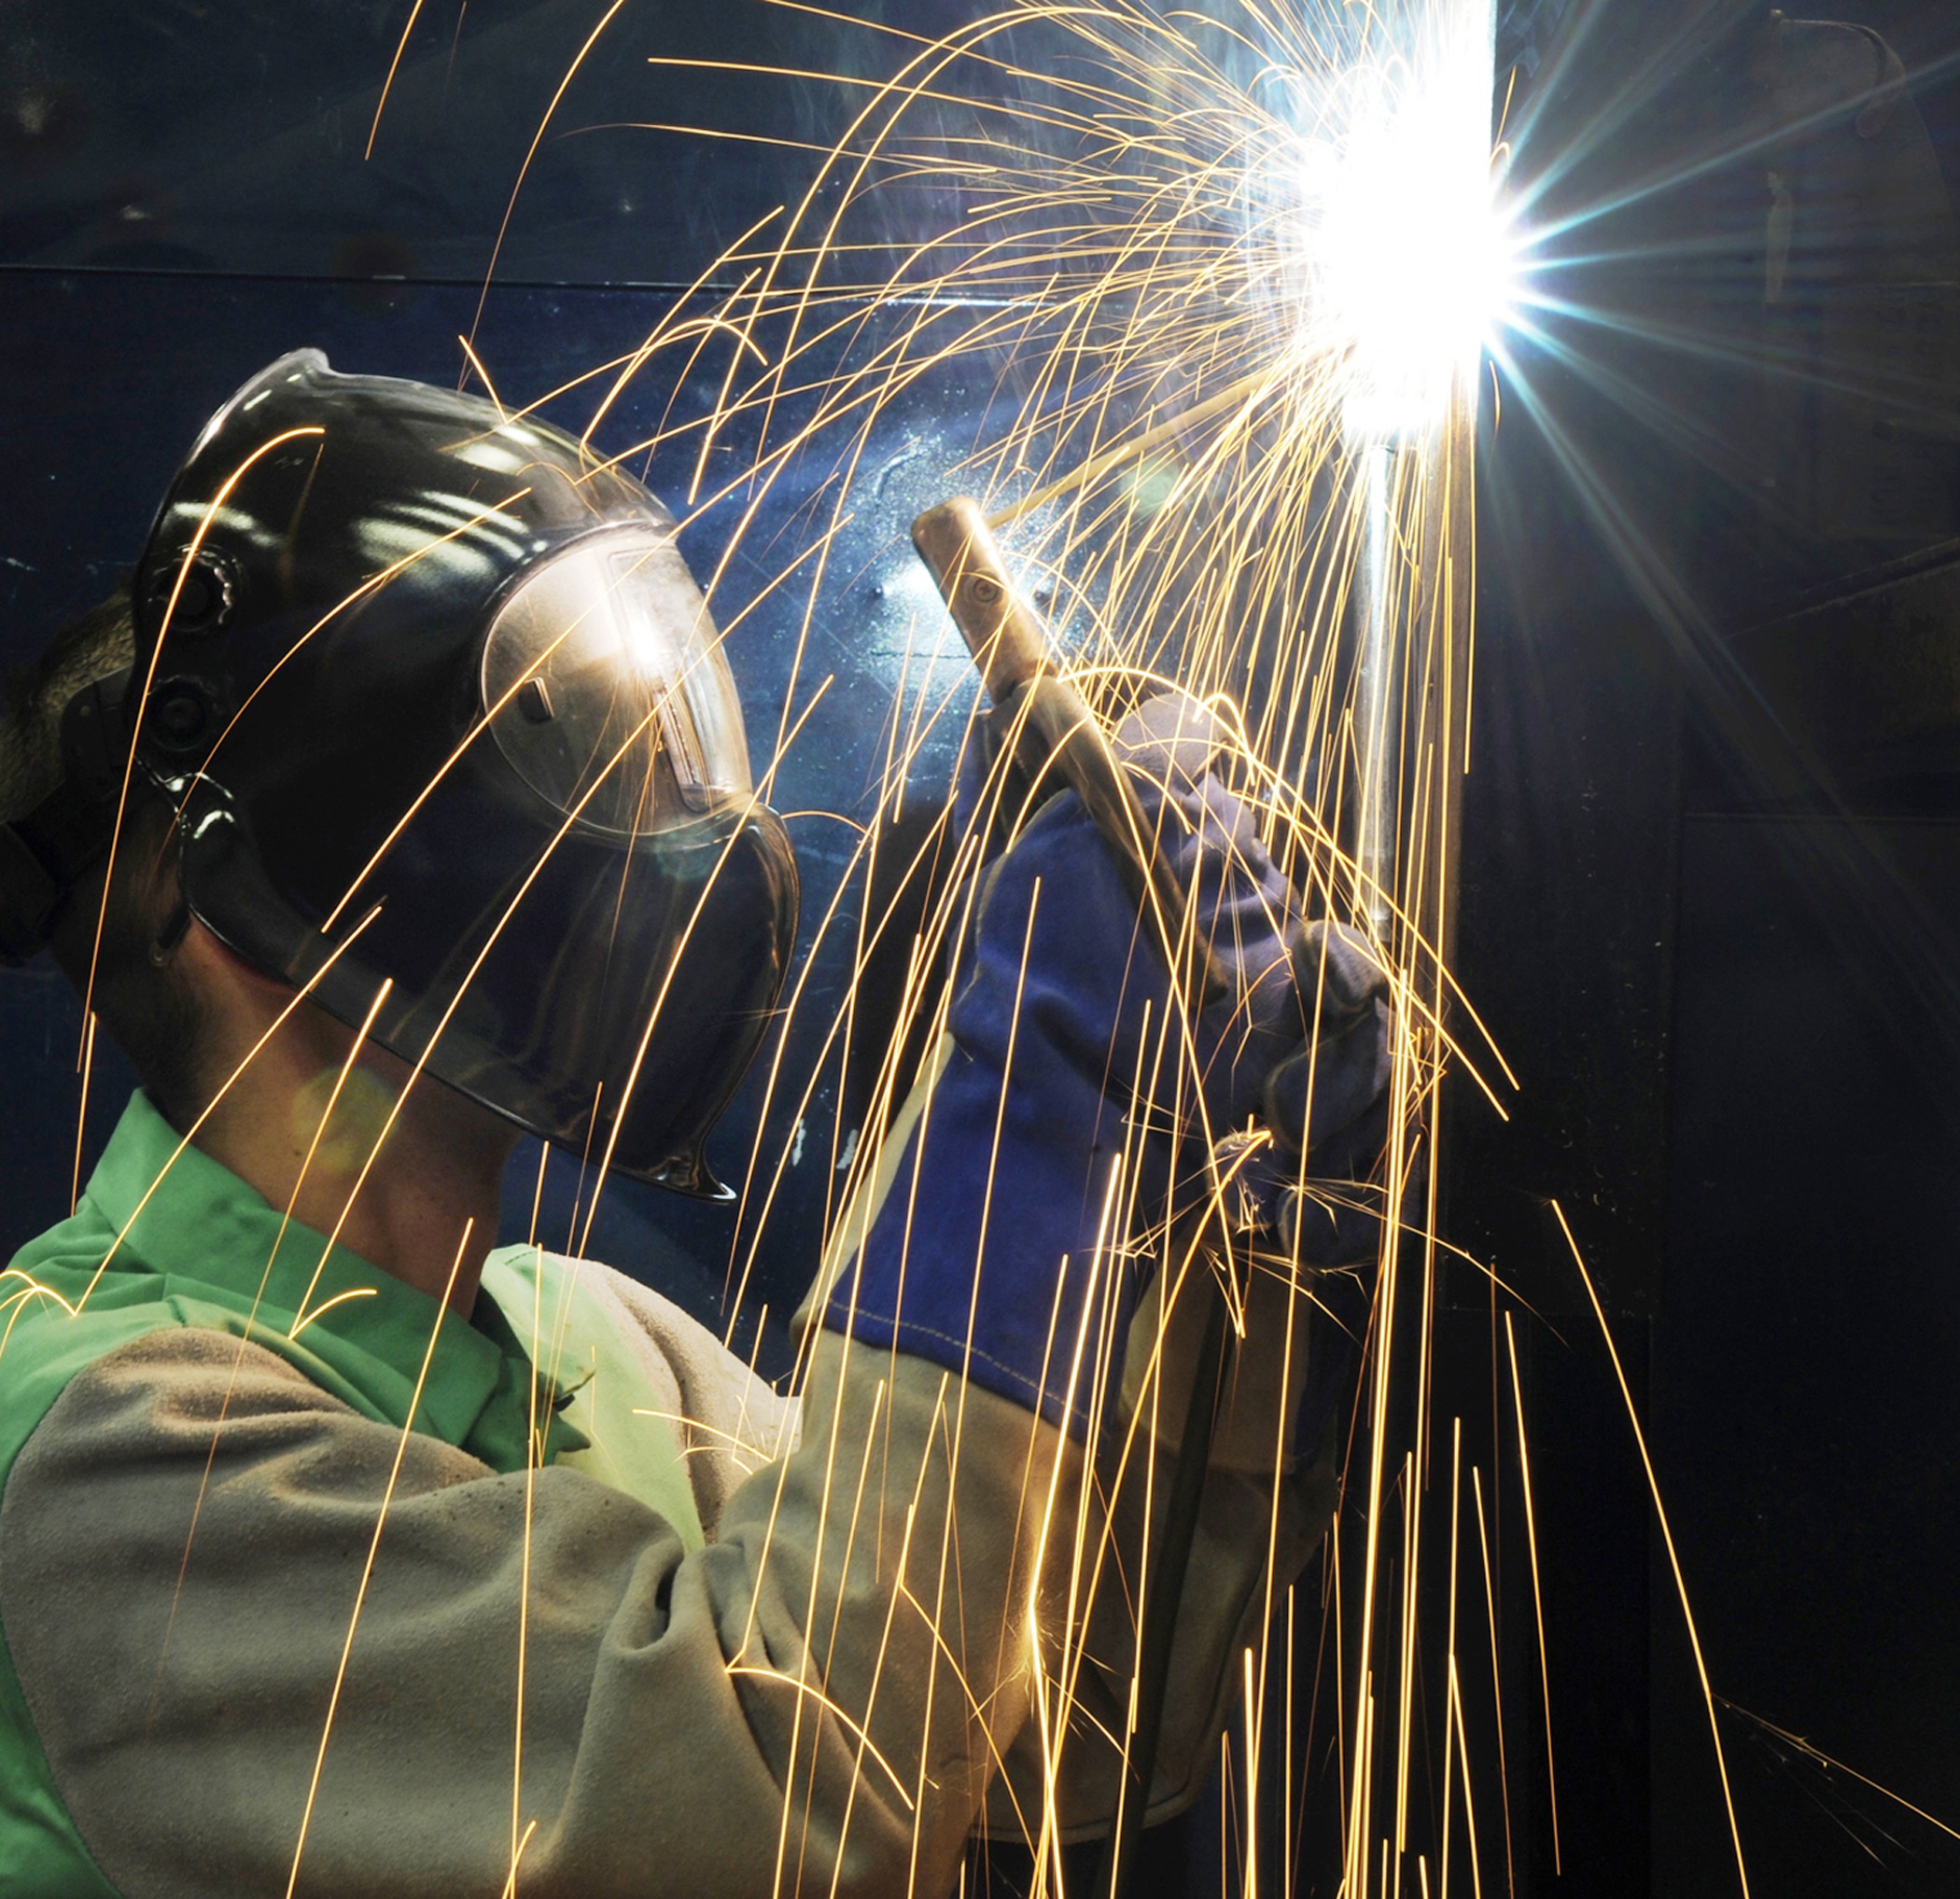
[1010,648]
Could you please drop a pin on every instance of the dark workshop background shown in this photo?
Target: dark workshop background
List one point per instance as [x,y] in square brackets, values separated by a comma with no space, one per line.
[1710,898]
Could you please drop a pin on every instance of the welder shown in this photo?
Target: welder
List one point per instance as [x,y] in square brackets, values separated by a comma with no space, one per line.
[401,803]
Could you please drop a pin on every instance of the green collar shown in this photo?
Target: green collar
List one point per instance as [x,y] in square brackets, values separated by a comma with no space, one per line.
[160,1210]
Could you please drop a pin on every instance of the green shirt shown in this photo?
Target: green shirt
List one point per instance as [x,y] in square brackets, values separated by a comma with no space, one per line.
[166,1236]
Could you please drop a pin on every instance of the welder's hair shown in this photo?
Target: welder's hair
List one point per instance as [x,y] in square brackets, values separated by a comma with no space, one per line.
[151,1013]
[100,642]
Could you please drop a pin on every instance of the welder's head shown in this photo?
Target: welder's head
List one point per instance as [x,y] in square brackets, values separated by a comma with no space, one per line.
[447,735]
[58,793]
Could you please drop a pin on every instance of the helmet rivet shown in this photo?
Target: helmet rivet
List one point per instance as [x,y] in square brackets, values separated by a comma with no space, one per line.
[178,716]
[204,596]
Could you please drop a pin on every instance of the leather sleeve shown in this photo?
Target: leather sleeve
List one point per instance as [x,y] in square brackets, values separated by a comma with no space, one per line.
[1264,1511]
[728,1420]
[224,1660]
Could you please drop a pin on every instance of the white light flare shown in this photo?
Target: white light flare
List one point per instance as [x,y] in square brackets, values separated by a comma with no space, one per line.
[1401,259]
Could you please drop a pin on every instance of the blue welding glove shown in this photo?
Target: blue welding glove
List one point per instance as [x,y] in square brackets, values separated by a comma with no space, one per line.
[1303,1173]
[1076,1097]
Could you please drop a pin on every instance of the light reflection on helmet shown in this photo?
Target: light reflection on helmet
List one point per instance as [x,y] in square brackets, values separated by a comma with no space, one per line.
[439,694]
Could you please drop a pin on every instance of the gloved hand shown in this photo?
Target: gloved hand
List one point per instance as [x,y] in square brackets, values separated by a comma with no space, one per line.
[1302,1174]
[1080,1096]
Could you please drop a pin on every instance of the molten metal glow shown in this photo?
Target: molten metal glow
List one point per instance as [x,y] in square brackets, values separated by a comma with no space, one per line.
[1400,258]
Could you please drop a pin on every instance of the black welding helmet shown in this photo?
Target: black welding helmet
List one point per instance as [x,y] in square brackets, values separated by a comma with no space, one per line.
[445,712]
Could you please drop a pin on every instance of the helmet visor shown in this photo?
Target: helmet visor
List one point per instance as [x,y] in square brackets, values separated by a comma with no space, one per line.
[605,688]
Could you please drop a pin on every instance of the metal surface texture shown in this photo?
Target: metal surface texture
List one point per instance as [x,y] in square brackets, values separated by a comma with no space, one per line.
[172,135]
[1803,1367]
[182,137]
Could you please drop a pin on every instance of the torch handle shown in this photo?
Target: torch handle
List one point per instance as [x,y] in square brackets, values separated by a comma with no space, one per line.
[1004,634]
[1010,646]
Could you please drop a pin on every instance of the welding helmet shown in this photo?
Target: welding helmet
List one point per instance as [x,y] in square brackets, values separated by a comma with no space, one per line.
[453,740]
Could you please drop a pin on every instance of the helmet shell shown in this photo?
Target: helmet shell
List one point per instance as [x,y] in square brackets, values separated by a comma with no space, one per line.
[444,712]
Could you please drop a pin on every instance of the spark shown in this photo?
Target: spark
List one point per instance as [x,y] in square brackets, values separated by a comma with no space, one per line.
[1531,1539]
[1667,1537]
[806,1692]
[534,1456]
[482,376]
[185,564]
[217,1100]
[1504,1772]
[1816,1754]
[360,1595]
[327,1305]
[523,170]
[380,105]
[313,1149]
[82,1119]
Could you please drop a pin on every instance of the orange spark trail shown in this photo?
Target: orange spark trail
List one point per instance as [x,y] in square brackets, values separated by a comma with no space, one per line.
[1667,1534]
[380,105]
[361,1597]
[1531,1539]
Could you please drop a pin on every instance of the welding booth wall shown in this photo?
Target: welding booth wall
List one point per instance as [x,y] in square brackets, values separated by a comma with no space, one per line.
[1712,838]
[1711,906]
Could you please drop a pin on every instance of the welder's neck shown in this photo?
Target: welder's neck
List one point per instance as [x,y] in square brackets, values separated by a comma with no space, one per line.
[408,1176]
